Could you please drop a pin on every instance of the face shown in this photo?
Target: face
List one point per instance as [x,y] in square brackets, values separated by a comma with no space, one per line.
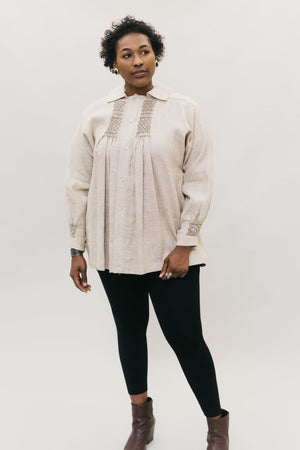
[134,54]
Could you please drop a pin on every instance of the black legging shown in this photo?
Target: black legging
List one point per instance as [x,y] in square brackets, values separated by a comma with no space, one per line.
[177,306]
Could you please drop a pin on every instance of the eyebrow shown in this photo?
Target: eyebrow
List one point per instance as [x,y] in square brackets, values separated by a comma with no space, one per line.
[144,45]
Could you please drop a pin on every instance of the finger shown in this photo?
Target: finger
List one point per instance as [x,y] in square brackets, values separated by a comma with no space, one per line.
[84,279]
[174,273]
[163,270]
[184,274]
[77,281]
[165,277]
[85,287]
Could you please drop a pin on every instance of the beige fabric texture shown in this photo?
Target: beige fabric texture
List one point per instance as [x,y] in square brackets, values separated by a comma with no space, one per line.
[139,179]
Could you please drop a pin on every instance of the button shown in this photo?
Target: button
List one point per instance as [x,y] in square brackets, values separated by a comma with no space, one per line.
[117,267]
[126,147]
[122,178]
[121,207]
[119,238]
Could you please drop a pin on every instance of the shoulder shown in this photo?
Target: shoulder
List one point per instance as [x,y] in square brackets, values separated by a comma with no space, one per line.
[183,99]
[185,105]
[180,98]
[96,107]
[182,102]
[96,113]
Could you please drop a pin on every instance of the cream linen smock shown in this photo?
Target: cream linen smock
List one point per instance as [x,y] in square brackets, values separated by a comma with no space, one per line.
[139,180]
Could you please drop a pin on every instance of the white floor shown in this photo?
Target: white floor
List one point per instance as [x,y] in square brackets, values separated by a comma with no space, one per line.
[58,417]
[62,387]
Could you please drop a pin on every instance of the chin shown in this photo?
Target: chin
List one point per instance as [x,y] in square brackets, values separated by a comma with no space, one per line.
[141,82]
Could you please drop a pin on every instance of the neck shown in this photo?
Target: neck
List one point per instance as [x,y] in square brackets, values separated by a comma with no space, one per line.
[130,90]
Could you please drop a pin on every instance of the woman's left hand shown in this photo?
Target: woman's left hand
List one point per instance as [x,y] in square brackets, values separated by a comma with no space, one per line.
[177,262]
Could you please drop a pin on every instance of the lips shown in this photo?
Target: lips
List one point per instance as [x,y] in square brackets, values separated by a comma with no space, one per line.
[139,71]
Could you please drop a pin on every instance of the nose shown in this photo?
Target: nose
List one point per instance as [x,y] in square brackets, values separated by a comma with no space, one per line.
[137,61]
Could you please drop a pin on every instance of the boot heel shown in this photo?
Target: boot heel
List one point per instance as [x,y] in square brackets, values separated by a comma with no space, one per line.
[143,422]
[150,436]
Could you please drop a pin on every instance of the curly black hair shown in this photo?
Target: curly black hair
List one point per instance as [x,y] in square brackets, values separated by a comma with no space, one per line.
[129,25]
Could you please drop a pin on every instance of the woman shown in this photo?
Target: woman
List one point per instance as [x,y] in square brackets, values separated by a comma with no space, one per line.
[138,188]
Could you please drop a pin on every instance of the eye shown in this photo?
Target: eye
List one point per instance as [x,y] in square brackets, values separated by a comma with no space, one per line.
[126,54]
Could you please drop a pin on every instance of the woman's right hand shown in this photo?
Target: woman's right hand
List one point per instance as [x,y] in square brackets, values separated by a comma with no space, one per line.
[78,273]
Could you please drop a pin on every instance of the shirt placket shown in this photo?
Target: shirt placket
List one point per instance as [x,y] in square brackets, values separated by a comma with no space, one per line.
[128,140]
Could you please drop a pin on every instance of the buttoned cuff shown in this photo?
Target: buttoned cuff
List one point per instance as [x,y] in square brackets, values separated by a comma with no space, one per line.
[188,233]
[78,243]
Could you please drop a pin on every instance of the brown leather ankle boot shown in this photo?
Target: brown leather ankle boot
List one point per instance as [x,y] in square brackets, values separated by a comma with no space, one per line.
[143,422]
[217,435]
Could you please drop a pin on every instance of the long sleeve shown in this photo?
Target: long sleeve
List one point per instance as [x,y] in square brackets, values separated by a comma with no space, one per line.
[197,180]
[77,183]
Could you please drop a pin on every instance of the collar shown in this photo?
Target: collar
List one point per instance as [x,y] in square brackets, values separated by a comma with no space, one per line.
[159,91]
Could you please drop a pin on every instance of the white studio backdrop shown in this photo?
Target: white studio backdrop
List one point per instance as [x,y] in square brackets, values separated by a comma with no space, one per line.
[61,383]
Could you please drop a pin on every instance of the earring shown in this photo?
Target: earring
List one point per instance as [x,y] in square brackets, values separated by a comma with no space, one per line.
[116,71]
[156,63]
